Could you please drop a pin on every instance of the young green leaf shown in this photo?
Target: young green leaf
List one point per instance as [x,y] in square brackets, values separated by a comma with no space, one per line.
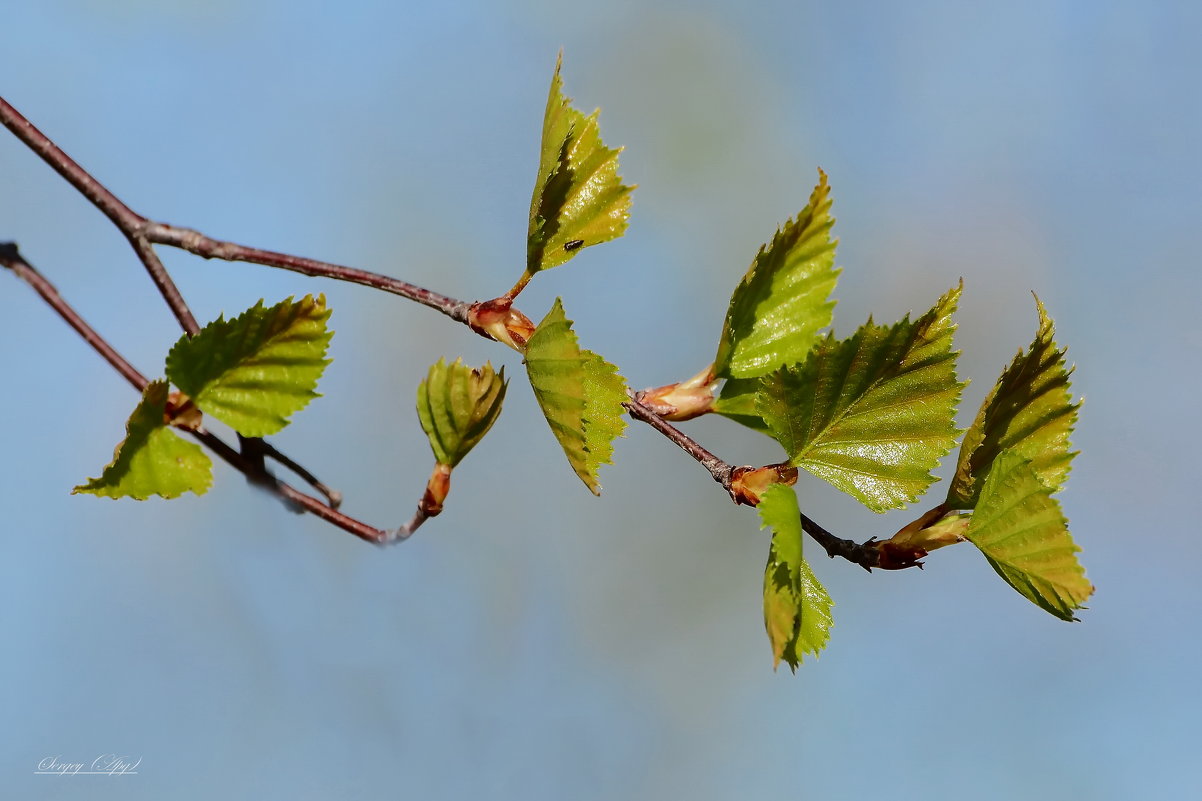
[579,198]
[457,405]
[783,301]
[1029,411]
[152,460]
[872,414]
[1019,527]
[797,608]
[580,394]
[254,371]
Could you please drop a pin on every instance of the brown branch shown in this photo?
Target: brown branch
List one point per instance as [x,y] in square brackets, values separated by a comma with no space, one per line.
[286,492]
[126,219]
[333,496]
[720,470]
[162,280]
[11,258]
[143,233]
[209,248]
[863,554]
[122,215]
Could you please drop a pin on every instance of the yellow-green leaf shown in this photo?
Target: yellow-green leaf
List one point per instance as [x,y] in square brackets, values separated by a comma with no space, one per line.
[872,414]
[783,301]
[580,394]
[254,371]
[457,405]
[1019,527]
[1029,411]
[579,199]
[152,460]
[797,608]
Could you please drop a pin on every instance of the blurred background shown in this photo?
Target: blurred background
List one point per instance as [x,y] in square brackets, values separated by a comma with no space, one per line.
[535,642]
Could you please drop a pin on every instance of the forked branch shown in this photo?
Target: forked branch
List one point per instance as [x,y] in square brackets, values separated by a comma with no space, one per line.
[741,483]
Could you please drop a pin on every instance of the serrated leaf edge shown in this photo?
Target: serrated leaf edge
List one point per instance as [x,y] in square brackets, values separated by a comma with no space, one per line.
[597,448]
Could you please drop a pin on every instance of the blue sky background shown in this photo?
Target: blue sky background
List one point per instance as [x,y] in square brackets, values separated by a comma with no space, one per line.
[535,642]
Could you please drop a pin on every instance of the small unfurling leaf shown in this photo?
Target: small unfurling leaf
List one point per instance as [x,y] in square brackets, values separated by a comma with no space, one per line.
[1030,411]
[457,405]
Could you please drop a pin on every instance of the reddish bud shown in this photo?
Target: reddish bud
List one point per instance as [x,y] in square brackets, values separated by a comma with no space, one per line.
[683,400]
[748,484]
[497,319]
[181,412]
[936,529]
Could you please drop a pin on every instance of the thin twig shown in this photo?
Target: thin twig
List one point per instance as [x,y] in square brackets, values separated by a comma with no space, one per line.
[11,258]
[720,470]
[122,215]
[126,219]
[430,505]
[289,493]
[333,496]
[197,243]
[864,554]
[141,232]
[162,280]
[406,531]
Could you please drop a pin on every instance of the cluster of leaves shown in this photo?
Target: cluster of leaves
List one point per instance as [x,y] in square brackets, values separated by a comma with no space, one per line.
[873,413]
[252,373]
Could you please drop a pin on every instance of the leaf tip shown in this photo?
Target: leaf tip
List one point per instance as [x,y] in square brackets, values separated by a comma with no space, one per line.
[1047,328]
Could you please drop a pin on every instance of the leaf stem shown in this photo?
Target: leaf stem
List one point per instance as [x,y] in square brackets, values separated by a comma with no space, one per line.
[516,289]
